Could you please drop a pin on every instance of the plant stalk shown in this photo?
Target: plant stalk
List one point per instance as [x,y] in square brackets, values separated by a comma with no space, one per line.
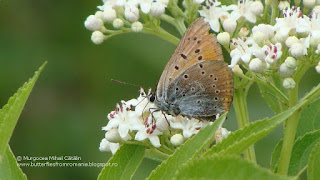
[241,108]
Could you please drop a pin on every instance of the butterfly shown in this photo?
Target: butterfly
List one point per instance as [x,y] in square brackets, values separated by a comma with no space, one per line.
[196,81]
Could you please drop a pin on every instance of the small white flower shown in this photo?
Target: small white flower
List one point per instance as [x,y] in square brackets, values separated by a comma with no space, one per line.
[131,13]
[177,140]
[289,83]
[272,53]
[93,23]
[285,71]
[279,38]
[224,38]
[118,23]
[157,9]
[291,62]
[148,130]
[107,146]
[99,14]
[109,15]
[243,50]
[212,15]
[97,37]
[244,9]
[283,5]
[309,3]
[188,126]
[137,26]
[315,25]
[292,19]
[256,65]
[258,37]
[300,48]
[113,135]
[229,25]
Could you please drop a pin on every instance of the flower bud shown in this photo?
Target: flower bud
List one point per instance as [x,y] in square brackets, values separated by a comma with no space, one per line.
[157,9]
[289,83]
[176,140]
[237,70]
[113,135]
[318,49]
[291,40]
[243,32]
[224,38]
[99,14]
[97,37]
[229,25]
[109,15]
[309,3]
[297,50]
[318,68]
[258,37]
[136,26]
[117,23]
[256,65]
[104,146]
[291,62]
[93,23]
[283,5]
[131,13]
[256,8]
[285,71]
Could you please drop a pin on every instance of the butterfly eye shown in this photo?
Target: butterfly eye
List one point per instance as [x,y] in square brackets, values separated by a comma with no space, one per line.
[152,98]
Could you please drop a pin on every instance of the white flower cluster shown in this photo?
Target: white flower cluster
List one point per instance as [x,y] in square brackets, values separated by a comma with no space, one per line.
[293,33]
[120,13]
[133,121]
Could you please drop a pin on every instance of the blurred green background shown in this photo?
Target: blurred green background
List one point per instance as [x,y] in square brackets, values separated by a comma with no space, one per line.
[73,95]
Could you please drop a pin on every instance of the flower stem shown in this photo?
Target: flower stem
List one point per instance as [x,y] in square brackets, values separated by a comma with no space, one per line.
[289,134]
[291,123]
[241,108]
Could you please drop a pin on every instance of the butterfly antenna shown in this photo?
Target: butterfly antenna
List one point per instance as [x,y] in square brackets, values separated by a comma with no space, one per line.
[124,83]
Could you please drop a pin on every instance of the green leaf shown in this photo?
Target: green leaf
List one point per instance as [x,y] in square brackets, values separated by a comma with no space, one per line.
[314,163]
[272,100]
[10,113]
[301,151]
[9,168]
[226,167]
[309,119]
[275,156]
[241,139]
[124,163]
[190,149]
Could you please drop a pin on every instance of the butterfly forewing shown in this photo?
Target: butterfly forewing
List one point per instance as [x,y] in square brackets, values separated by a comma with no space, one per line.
[196,45]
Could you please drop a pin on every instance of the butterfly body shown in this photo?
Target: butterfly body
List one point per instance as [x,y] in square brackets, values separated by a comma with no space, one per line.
[196,81]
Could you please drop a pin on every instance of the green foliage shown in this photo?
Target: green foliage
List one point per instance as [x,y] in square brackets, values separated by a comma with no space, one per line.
[309,120]
[226,167]
[124,163]
[275,156]
[272,100]
[241,139]
[10,113]
[9,168]
[301,151]
[314,163]
[190,149]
